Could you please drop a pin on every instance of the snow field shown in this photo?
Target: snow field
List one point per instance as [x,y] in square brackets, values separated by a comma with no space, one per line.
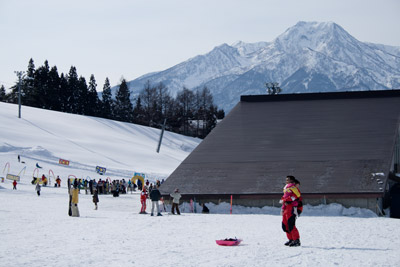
[37,231]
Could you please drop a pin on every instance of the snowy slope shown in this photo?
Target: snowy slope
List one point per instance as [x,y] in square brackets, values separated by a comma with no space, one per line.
[46,136]
[308,57]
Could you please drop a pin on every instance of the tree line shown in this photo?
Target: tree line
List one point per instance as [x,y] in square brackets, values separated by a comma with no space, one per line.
[191,113]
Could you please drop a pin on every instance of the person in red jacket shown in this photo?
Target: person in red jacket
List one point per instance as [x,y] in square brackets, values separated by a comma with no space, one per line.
[15,185]
[143,198]
[290,201]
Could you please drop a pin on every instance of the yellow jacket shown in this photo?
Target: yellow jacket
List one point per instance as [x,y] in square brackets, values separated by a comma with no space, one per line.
[75,196]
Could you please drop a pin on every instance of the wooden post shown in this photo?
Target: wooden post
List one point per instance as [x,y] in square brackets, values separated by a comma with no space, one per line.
[231,203]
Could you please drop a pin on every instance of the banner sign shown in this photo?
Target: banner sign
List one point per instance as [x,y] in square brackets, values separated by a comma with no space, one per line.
[12,177]
[140,175]
[100,170]
[63,162]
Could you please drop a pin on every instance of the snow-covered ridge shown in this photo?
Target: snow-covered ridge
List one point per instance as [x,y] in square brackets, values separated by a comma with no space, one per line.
[308,57]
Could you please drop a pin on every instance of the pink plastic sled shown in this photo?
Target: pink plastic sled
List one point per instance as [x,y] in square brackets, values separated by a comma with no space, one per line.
[228,242]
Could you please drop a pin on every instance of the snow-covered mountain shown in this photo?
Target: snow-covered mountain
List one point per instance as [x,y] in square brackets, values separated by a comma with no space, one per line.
[308,57]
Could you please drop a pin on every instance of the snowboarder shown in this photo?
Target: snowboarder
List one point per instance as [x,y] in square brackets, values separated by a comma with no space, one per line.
[37,188]
[95,198]
[289,211]
[70,197]
[143,198]
[175,201]
[15,185]
[74,201]
[155,196]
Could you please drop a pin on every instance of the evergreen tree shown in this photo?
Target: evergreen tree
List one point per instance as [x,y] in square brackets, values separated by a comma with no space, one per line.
[12,97]
[82,96]
[123,104]
[63,96]
[107,101]
[139,113]
[41,84]
[72,91]
[220,114]
[2,93]
[92,107]
[53,100]
[28,86]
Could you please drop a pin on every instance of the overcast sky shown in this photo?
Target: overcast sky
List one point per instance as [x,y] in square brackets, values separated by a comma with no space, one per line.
[129,38]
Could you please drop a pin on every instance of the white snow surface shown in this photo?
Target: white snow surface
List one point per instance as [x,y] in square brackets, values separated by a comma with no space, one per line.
[37,231]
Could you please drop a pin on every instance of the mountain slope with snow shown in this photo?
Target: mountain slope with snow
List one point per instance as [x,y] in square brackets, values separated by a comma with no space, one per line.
[308,57]
[44,137]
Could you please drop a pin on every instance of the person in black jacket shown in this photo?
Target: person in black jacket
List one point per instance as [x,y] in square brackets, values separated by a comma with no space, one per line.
[155,196]
[95,198]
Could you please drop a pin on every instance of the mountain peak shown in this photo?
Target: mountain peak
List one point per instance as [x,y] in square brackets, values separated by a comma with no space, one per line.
[312,35]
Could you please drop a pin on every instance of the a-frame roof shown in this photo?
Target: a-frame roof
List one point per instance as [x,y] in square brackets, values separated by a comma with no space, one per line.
[331,142]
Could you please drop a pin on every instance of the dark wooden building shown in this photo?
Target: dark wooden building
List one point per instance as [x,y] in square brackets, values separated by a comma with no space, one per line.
[343,147]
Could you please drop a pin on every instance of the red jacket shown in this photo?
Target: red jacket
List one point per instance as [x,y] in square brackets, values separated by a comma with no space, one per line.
[143,196]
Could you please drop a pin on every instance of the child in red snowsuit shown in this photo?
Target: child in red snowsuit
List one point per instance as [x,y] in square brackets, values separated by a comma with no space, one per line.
[290,202]
[15,184]
[143,198]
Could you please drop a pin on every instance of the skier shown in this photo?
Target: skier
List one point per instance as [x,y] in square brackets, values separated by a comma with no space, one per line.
[175,201]
[289,202]
[155,196]
[15,185]
[143,198]
[95,198]
[37,188]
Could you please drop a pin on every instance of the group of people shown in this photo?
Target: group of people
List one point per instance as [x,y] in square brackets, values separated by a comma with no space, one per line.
[154,194]
[114,187]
